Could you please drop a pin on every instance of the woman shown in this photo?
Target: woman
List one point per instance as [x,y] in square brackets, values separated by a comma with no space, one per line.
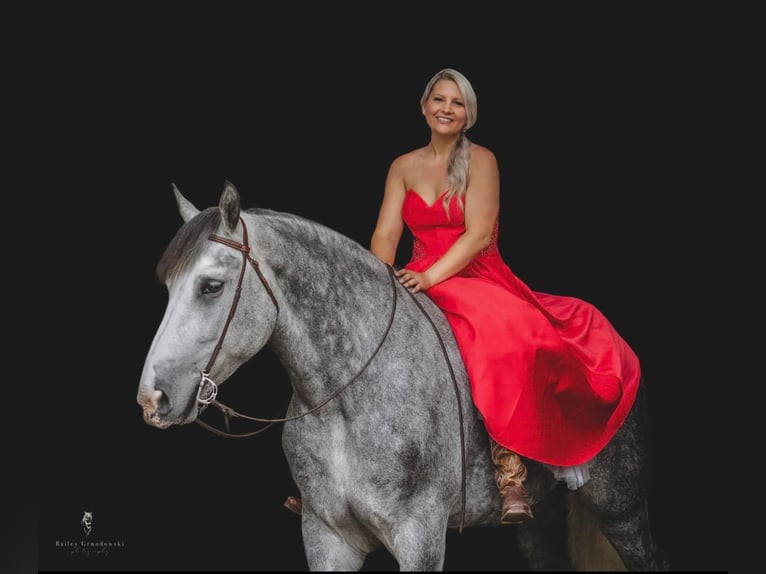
[550,376]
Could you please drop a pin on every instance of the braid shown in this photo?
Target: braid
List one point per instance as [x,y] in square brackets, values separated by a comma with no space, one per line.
[457,171]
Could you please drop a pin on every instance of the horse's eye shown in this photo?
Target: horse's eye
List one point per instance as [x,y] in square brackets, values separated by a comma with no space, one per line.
[211,287]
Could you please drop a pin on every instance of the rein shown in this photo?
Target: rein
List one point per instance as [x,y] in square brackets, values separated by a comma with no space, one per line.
[207,390]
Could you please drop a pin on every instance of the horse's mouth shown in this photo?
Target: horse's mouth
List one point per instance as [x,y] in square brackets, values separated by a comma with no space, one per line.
[160,421]
[154,420]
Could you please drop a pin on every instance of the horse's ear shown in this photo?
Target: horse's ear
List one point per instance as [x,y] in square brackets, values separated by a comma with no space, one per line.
[185,207]
[229,206]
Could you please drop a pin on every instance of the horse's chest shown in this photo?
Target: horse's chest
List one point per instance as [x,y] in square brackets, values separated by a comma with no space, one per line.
[324,456]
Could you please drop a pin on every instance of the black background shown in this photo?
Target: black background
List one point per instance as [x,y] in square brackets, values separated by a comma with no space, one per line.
[597,116]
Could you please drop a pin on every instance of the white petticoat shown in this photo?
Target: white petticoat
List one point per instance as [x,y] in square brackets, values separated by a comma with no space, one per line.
[574,476]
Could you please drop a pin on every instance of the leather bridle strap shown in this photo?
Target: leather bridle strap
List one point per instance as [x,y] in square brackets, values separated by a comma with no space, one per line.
[208,389]
[456,387]
[229,412]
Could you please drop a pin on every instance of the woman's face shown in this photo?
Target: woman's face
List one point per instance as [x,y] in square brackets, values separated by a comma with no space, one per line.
[444,109]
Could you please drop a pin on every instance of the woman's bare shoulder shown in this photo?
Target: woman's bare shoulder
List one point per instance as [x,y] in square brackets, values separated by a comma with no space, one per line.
[411,156]
[482,153]
[482,158]
[408,159]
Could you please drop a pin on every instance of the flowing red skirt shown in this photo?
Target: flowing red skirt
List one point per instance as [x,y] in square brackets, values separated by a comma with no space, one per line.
[550,375]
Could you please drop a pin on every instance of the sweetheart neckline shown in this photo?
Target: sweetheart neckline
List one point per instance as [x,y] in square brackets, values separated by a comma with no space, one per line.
[429,205]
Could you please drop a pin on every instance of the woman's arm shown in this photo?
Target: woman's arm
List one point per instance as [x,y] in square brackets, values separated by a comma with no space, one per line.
[389,227]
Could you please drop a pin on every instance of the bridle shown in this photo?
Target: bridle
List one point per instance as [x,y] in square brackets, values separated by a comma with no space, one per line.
[207,390]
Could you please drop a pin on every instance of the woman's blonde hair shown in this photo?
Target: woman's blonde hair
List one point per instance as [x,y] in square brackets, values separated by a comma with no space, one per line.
[459,160]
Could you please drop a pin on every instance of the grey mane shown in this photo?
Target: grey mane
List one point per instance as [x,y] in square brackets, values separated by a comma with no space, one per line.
[191,238]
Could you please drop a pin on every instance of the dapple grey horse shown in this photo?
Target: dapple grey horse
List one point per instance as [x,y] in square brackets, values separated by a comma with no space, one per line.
[380,434]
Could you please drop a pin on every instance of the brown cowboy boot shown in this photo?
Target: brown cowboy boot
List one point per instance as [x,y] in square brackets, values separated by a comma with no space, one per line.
[510,473]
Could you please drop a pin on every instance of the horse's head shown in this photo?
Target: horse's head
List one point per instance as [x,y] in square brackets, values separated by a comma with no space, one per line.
[220,312]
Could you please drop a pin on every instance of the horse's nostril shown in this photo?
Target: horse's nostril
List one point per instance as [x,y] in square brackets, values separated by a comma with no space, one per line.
[153,401]
[161,401]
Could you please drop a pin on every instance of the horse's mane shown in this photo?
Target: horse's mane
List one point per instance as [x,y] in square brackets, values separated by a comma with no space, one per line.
[311,232]
[189,241]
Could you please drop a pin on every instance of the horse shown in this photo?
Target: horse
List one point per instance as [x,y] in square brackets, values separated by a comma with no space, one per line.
[380,434]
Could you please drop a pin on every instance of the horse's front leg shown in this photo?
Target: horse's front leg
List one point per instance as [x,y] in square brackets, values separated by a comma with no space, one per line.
[419,539]
[328,548]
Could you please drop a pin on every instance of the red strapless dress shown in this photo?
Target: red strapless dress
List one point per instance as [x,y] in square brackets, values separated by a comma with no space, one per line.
[551,377]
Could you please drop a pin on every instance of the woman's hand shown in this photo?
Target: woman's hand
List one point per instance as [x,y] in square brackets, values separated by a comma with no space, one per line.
[413,280]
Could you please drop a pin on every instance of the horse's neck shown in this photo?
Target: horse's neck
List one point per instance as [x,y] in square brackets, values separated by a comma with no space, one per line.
[334,298]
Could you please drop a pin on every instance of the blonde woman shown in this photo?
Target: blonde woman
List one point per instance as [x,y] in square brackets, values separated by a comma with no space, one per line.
[549,374]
